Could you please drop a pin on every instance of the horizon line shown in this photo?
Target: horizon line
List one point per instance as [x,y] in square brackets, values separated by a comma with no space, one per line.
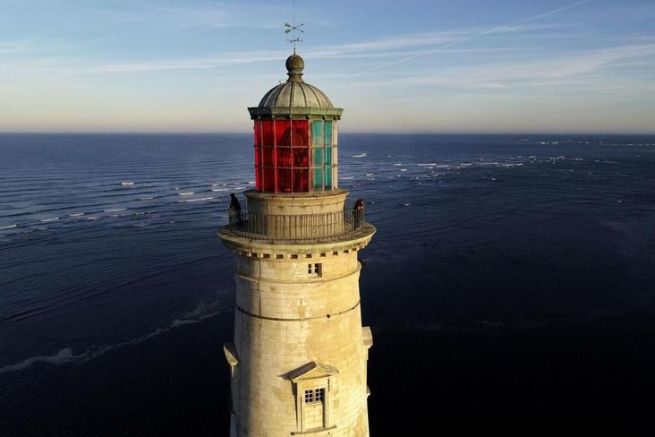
[517,133]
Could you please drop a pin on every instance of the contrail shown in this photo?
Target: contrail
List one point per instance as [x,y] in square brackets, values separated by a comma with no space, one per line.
[484,33]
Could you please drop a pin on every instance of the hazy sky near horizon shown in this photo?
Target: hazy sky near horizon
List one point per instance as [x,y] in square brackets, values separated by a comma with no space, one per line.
[402,66]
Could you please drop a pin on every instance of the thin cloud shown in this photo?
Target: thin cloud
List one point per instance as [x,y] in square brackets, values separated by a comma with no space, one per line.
[14,47]
[418,40]
[499,29]
[548,72]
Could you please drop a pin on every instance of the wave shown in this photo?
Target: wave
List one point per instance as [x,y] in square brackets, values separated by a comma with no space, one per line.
[77,214]
[66,355]
[199,200]
[220,189]
[7,227]
[115,209]
[186,193]
[63,356]
[48,220]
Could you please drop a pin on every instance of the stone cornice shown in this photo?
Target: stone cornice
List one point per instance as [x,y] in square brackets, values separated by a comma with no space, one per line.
[295,112]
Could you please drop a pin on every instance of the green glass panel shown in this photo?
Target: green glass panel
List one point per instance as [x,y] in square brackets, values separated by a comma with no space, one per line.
[317,132]
[328,156]
[318,178]
[328,178]
[328,133]
[318,157]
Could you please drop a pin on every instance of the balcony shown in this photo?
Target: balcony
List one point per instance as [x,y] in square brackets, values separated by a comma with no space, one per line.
[299,227]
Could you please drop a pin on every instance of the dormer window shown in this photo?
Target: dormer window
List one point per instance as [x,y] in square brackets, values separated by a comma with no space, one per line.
[312,384]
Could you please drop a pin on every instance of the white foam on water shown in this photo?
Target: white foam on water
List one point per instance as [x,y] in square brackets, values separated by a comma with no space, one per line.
[398,164]
[48,220]
[239,188]
[63,356]
[77,214]
[431,164]
[347,178]
[251,182]
[127,183]
[186,193]
[115,209]
[66,355]
[220,189]
[200,200]
[7,227]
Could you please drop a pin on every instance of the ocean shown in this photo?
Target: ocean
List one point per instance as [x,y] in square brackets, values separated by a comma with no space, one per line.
[510,287]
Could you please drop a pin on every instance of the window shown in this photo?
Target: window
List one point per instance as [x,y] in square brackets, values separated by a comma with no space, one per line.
[315,269]
[295,155]
[315,395]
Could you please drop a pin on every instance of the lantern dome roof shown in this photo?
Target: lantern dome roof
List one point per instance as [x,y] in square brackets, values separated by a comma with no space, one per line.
[295,96]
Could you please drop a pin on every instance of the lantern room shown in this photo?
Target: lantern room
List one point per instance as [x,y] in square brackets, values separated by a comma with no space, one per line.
[295,137]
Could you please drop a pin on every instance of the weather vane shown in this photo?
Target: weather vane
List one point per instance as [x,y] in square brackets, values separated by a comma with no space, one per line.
[294,28]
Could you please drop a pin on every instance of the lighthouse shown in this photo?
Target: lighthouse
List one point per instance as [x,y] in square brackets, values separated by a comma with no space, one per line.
[298,363]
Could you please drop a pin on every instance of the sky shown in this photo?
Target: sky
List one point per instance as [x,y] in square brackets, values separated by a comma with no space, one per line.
[465,66]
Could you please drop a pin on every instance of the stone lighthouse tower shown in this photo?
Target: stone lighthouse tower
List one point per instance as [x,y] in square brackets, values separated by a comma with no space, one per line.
[299,358]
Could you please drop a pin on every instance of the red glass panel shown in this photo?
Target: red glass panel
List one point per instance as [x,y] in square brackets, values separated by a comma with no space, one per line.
[300,180]
[258,133]
[258,178]
[258,155]
[269,179]
[268,156]
[300,133]
[300,157]
[284,156]
[267,132]
[283,133]
[284,180]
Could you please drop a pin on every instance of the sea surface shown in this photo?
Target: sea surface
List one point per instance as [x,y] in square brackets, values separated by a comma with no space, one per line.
[510,287]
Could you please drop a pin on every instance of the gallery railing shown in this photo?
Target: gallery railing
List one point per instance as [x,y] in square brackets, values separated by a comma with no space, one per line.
[296,227]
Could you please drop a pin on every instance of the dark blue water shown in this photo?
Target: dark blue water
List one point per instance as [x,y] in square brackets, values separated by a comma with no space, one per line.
[510,286]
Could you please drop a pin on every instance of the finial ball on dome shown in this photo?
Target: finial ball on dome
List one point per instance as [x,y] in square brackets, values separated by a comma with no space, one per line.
[295,65]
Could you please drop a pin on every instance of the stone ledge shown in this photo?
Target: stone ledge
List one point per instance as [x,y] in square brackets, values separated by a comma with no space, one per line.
[316,432]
